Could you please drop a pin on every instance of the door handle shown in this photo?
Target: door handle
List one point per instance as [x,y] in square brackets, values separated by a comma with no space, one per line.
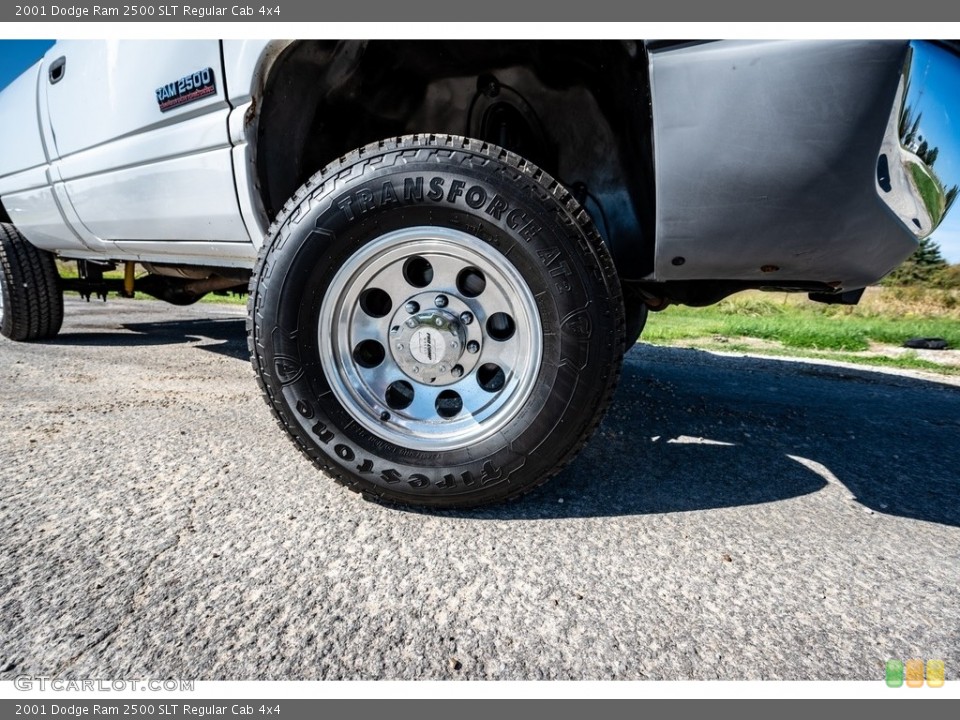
[57,70]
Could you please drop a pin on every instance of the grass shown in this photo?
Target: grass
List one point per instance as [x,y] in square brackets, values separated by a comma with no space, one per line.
[228,299]
[791,325]
[908,361]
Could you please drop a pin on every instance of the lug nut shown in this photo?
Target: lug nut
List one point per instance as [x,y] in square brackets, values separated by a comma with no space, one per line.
[466,318]
[473,346]
[416,370]
[438,322]
[441,301]
[411,323]
[457,371]
[412,307]
[454,344]
[399,346]
[442,368]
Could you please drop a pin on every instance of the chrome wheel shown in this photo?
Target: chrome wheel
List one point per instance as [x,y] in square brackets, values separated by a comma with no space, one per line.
[430,338]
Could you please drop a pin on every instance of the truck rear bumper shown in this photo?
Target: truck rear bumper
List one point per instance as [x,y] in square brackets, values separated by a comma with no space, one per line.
[773,159]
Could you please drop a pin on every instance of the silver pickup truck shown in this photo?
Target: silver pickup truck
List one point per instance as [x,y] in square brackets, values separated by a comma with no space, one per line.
[448,245]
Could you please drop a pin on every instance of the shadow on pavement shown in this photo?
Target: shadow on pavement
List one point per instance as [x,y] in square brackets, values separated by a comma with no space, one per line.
[225,336]
[787,429]
[690,430]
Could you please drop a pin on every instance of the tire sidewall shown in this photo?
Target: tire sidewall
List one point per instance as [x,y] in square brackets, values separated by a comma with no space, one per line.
[535,232]
[6,314]
[33,307]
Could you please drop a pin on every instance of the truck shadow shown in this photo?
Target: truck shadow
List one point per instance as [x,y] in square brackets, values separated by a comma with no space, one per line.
[226,336]
[690,430]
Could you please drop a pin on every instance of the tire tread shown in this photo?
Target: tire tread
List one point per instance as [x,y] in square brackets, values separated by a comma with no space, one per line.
[35,298]
[355,161]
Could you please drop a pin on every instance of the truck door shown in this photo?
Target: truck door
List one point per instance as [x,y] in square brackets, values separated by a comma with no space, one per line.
[140,129]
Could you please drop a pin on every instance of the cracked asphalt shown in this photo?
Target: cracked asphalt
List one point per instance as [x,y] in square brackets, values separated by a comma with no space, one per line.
[734,517]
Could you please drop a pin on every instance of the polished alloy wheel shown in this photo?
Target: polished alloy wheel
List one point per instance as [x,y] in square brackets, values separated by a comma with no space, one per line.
[431,338]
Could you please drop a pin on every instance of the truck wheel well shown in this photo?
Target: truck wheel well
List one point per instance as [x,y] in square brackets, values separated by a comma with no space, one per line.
[577,109]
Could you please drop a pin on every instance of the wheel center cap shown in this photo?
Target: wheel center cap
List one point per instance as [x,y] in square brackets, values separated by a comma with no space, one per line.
[428,346]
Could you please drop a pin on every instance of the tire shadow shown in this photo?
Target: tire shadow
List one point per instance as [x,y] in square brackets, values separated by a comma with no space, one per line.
[690,430]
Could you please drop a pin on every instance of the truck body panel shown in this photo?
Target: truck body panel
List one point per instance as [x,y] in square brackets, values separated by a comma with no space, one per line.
[764,159]
[767,157]
[123,168]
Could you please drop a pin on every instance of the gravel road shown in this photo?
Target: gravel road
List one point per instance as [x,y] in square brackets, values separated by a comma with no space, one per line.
[733,518]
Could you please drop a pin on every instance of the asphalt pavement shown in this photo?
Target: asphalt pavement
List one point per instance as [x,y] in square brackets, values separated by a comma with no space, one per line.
[734,517]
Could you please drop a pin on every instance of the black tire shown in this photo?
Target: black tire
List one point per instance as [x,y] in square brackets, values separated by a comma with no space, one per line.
[636,311]
[343,212]
[32,306]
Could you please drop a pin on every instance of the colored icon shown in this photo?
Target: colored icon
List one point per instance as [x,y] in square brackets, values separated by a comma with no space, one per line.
[935,673]
[915,673]
[894,673]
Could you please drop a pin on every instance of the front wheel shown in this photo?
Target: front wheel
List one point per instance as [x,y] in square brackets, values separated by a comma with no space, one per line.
[436,322]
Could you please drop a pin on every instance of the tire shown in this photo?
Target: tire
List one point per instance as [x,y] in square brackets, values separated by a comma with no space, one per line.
[636,312]
[395,401]
[31,300]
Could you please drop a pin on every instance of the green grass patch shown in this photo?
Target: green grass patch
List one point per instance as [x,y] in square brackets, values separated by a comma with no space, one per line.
[790,325]
[907,361]
[229,299]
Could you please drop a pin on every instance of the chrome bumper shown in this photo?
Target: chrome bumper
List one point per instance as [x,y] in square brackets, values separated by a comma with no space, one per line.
[918,169]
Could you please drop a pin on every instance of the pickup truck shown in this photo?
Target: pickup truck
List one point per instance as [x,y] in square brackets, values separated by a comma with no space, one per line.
[448,245]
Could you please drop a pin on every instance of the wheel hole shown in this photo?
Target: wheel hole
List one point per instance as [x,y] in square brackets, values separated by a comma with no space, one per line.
[500,326]
[491,377]
[418,271]
[375,302]
[471,282]
[399,395]
[449,404]
[369,354]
